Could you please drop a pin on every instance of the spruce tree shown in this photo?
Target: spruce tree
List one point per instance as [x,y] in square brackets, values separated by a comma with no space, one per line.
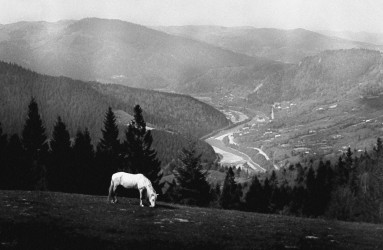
[229,196]
[255,197]
[309,204]
[379,147]
[321,189]
[341,172]
[33,134]
[275,194]
[18,176]
[191,180]
[108,156]
[138,152]
[109,143]
[267,195]
[60,170]
[83,153]
[36,147]
[4,169]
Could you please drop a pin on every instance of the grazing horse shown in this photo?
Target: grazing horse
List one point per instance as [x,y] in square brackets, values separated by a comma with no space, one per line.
[138,181]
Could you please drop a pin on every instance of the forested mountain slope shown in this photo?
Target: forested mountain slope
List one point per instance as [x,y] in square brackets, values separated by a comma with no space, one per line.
[329,75]
[83,104]
[112,51]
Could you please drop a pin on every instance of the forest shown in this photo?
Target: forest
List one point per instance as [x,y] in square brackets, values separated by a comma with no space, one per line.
[349,190]
[81,104]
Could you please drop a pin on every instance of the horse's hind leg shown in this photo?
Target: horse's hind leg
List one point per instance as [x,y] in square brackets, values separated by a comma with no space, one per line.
[141,197]
[114,194]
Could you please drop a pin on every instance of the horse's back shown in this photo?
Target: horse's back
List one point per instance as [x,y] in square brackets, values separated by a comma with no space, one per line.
[130,180]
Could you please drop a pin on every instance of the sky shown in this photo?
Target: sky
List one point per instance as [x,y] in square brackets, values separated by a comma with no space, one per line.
[336,15]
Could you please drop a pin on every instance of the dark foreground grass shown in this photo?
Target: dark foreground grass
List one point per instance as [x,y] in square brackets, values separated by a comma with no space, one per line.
[45,220]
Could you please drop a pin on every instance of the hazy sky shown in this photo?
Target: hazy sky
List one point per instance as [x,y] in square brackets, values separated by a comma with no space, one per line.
[354,15]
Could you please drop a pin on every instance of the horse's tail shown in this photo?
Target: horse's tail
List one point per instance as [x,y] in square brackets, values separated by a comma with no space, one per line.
[111,192]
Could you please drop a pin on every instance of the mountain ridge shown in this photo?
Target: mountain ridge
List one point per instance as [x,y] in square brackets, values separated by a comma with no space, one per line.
[275,44]
[112,51]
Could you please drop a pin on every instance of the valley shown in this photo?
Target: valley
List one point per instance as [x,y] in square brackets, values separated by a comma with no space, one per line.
[298,132]
[284,95]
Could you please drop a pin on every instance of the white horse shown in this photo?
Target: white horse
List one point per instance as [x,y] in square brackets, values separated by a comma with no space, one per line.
[138,181]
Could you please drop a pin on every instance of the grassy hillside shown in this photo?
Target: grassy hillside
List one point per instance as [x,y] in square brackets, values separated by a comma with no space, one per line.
[44,220]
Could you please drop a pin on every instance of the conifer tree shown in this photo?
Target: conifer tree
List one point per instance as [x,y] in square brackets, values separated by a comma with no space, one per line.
[348,161]
[341,172]
[109,143]
[36,147]
[84,162]
[379,147]
[108,156]
[191,180]
[274,199]
[309,204]
[229,196]
[254,198]
[4,169]
[137,148]
[267,195]
[18,176]
[321,193]
[60,170]
[33,134]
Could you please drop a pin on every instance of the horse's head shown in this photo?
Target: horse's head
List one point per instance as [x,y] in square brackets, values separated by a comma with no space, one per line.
[152,199]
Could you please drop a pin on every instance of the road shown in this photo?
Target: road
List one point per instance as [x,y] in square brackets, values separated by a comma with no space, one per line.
[231,155]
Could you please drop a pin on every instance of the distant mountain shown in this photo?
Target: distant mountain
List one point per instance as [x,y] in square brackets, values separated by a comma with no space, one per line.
[365,37]
[328,75]
[281,45]
[112,51]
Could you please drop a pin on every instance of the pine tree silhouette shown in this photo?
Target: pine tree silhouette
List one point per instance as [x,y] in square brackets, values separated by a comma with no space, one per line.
[229,196]
[255,200]
[5,171]
[109,143]
[83,153]
[60,170]
[309,203]
[36,147]
[108,156]
[138,152]
[192,185]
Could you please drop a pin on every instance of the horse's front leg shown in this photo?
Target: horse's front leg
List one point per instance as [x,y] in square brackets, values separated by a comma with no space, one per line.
[141,197]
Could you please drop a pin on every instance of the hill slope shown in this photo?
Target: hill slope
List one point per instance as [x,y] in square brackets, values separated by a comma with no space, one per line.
[281,45]
[321,106]
[62,221]
[366,37]
[83,104]
[111,51]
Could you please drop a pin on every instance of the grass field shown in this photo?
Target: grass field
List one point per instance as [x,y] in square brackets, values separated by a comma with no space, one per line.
[45,220]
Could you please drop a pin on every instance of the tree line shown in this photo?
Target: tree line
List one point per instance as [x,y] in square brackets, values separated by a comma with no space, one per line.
[81,104]
[34,162]
[350,189]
